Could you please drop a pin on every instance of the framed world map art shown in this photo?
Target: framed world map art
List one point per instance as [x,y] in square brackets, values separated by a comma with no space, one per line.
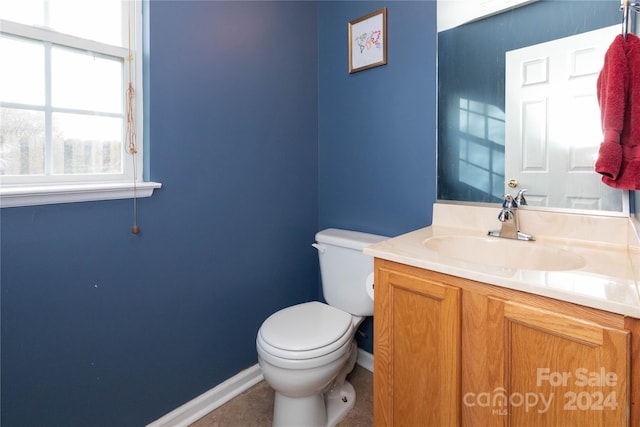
[368,41]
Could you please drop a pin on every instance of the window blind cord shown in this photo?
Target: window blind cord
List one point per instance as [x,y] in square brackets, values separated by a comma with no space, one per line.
[131,136]
[131,128]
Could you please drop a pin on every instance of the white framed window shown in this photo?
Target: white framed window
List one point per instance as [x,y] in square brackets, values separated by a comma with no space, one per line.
[67,65]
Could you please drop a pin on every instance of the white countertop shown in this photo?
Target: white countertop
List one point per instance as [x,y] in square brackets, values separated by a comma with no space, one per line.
[609,246]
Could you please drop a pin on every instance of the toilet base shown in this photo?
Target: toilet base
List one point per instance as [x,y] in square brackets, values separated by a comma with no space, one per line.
[299,411]
[340,403]
[320,410]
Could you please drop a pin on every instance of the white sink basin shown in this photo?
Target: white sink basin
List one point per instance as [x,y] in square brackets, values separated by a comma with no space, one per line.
[506,253]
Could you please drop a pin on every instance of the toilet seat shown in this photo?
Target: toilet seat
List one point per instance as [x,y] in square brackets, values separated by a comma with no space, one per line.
[305,331]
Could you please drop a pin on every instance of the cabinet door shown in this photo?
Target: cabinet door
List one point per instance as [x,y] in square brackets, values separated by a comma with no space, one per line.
[556,370]
[417,351]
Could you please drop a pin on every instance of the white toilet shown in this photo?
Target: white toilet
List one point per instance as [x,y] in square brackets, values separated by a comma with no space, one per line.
[306,351]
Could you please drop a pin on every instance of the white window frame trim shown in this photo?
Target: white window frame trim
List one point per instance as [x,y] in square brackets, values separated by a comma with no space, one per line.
[16,195]
[32,195]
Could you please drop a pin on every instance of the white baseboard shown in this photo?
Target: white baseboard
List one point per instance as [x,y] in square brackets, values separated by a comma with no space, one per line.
[197,408]
[365,359]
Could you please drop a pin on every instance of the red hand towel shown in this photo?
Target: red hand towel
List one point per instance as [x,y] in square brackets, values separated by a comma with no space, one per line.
[619,97]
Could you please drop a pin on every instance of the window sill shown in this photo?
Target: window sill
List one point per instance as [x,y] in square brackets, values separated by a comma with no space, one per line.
[11,197]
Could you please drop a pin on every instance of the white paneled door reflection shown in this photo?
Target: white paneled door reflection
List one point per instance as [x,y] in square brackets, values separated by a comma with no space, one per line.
[553,128]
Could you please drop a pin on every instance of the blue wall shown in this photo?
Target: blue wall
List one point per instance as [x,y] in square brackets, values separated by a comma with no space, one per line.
[376,134]
[376,128]
[103,328]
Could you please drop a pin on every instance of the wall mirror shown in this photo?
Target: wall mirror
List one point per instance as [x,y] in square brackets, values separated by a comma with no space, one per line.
[484,141]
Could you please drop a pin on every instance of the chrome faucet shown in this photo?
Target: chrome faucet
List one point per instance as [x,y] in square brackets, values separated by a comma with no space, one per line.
[508,216]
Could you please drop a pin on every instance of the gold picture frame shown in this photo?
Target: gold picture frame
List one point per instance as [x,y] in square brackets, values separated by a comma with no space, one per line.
[368,41]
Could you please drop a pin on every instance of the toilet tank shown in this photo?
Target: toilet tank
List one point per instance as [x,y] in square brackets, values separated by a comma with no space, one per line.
[345,269]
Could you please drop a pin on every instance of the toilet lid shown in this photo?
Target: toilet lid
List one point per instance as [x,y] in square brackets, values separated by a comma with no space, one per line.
[305,327]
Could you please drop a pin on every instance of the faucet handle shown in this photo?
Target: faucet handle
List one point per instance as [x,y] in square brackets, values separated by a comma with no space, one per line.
[507,204]
[520,200]
[504,215]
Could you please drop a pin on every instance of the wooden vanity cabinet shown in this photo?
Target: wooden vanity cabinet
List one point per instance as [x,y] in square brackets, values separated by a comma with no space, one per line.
[417,350]
[454,352]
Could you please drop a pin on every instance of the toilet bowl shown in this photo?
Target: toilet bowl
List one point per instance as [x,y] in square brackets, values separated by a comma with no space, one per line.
[306,351]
